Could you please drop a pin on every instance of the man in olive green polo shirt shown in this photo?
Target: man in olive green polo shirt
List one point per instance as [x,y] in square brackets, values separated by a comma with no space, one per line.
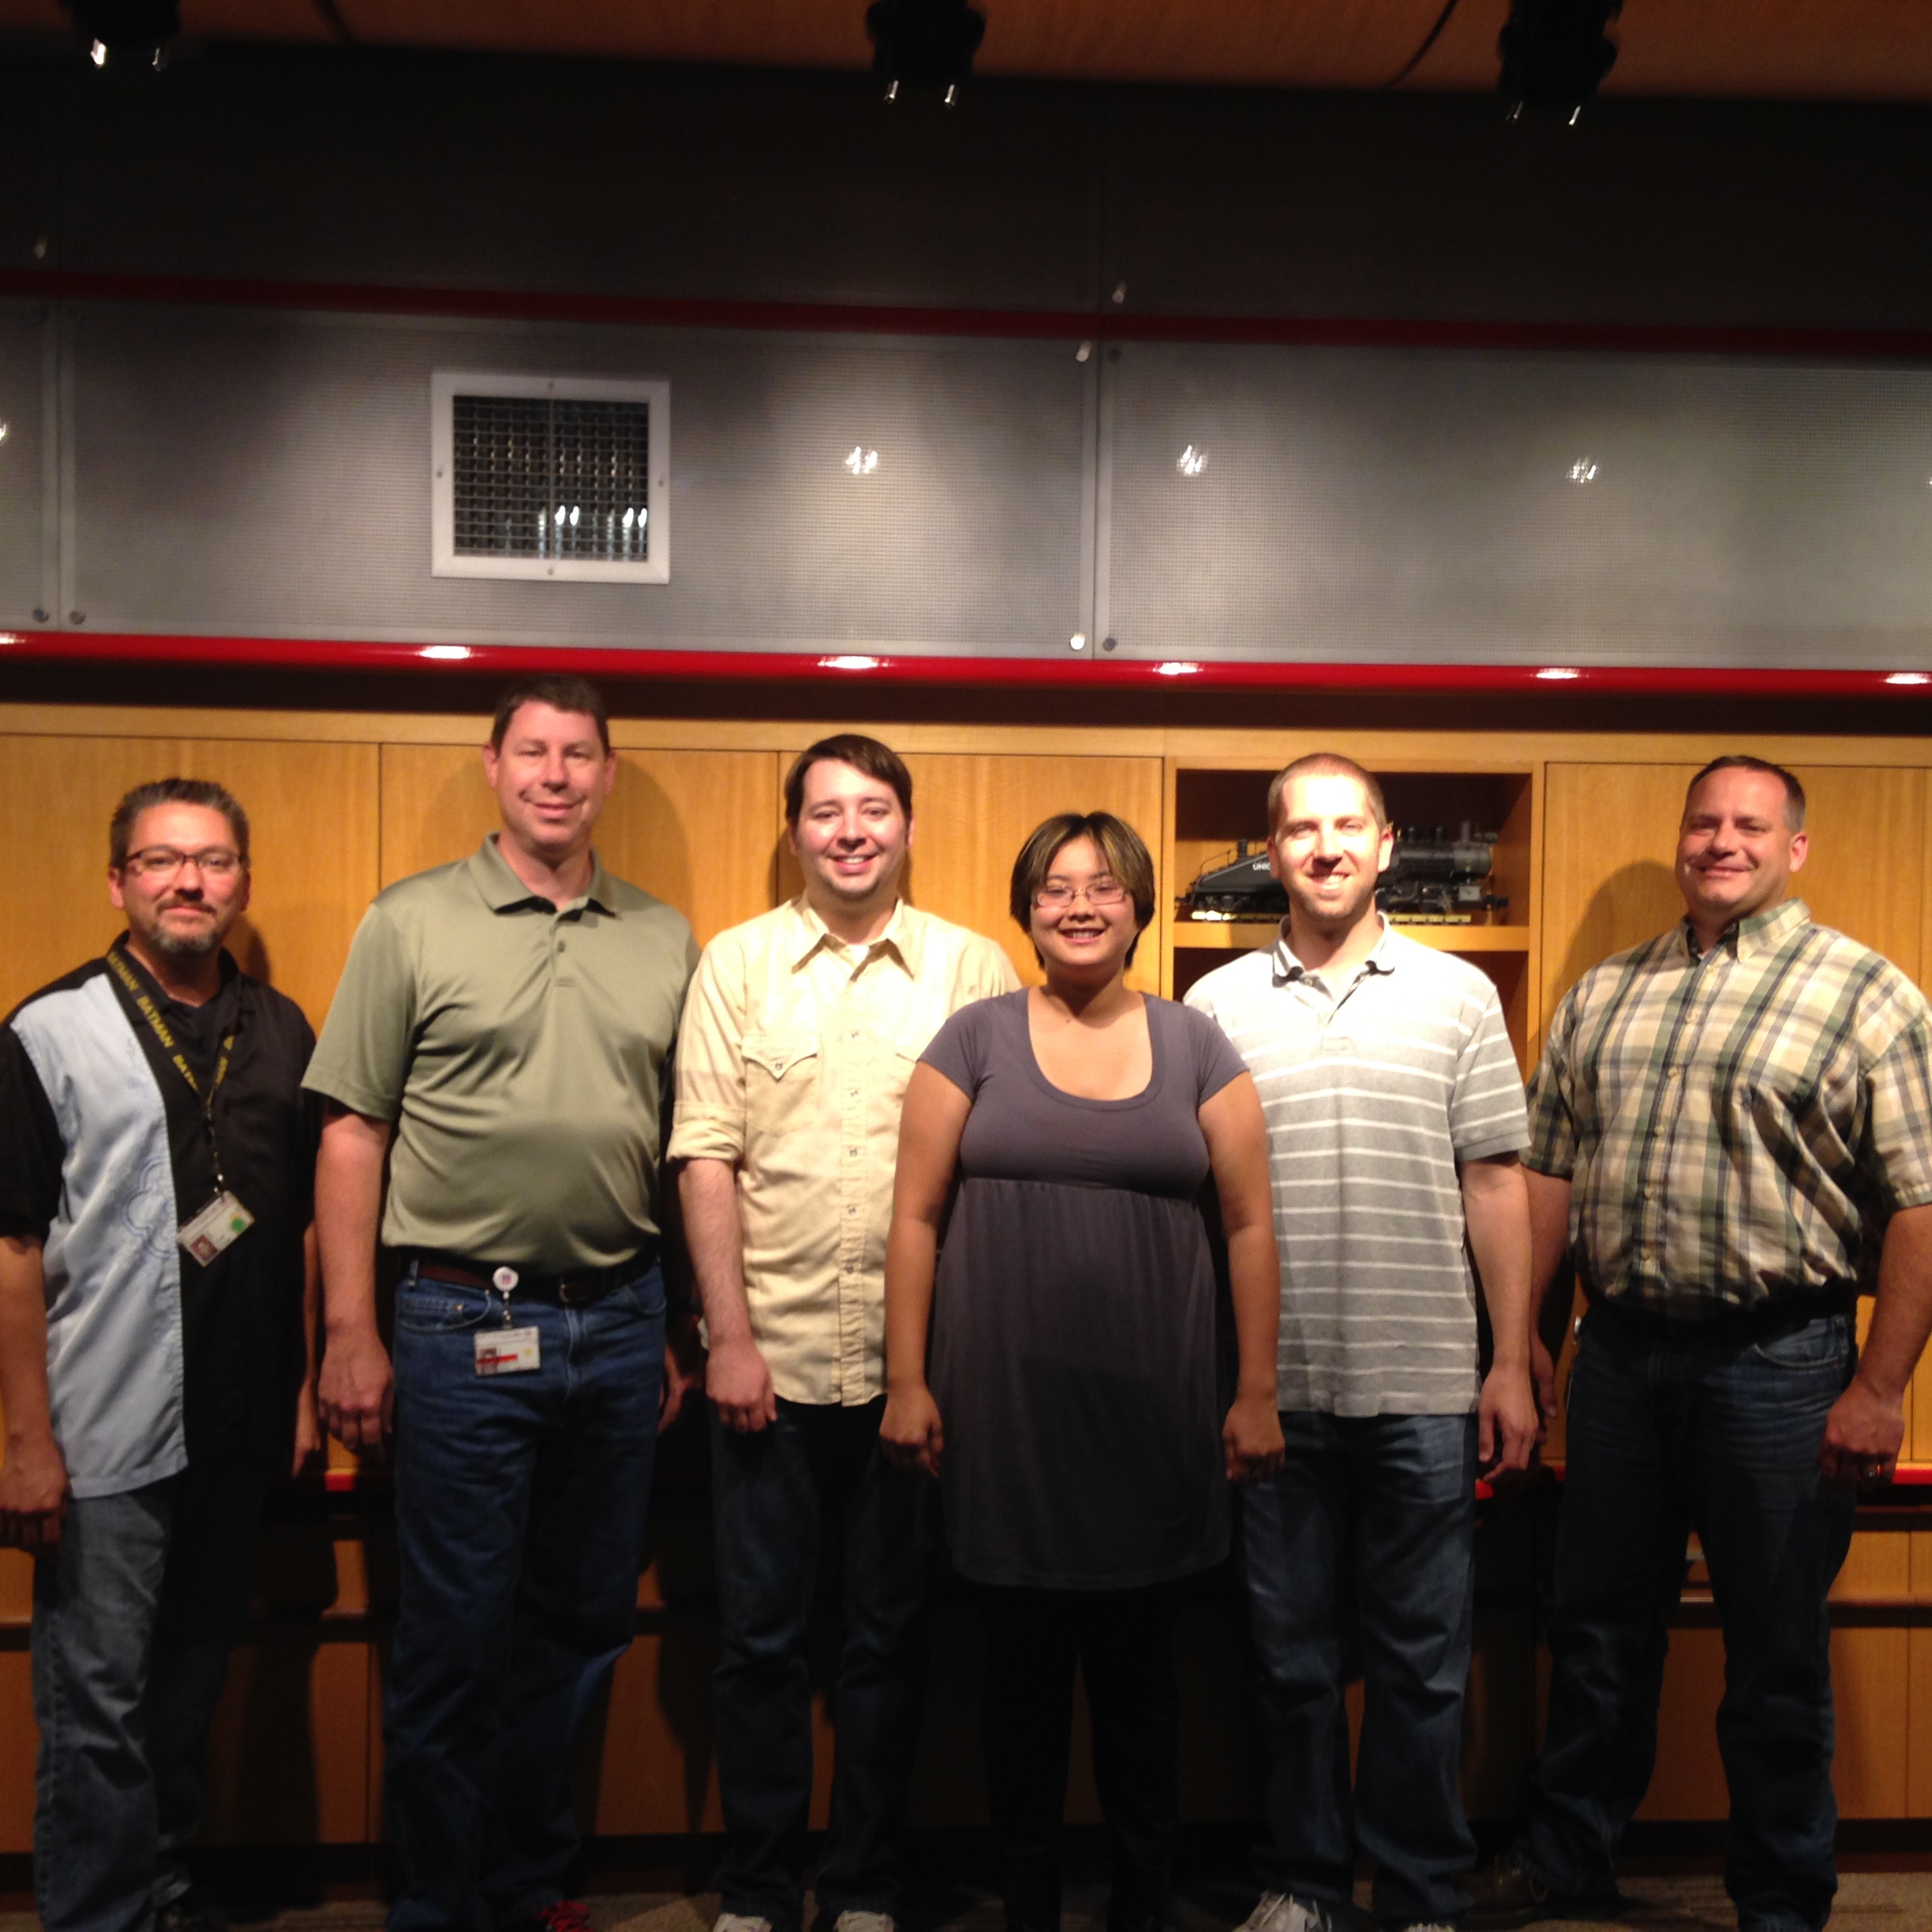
[500,1037]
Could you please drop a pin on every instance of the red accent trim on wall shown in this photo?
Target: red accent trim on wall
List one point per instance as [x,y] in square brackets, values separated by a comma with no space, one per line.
[878,319]
[859,668]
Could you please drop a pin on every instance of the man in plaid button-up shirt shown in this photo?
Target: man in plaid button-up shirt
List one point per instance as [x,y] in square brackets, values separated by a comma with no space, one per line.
[1730,1133]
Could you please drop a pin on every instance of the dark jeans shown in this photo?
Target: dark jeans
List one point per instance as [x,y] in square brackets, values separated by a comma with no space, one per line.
[774,1493]
[1123,1641]
[520,1506]
[134,1616]
[1671,1431]
[1371,1525]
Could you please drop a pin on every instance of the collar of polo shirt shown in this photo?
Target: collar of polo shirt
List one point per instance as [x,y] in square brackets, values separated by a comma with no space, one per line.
[1288,968]
[503,890]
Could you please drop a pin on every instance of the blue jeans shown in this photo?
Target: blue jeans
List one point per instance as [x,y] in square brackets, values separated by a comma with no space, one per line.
[134,1616]
[520,1505]
[1370,1527]
[1673,1430]
[773,1494]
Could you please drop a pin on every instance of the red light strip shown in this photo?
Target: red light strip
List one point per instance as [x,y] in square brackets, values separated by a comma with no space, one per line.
[1069,672]
[878,319]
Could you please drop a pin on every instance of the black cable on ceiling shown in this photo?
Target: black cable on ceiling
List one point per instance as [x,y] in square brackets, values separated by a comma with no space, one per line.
[332,18]
[1414,60]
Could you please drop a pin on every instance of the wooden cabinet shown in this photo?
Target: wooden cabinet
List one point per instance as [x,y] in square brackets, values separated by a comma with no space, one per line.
[1214,799]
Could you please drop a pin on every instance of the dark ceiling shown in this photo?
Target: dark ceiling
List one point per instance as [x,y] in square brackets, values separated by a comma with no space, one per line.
[1841,50]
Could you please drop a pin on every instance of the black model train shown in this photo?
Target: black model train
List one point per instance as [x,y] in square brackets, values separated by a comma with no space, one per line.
[1433,878]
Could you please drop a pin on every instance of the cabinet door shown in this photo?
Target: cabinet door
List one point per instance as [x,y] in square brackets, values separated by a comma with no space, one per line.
[1610,837]
[698,828]
[312,813]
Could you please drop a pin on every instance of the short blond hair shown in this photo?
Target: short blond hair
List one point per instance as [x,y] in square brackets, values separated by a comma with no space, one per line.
[1325,764]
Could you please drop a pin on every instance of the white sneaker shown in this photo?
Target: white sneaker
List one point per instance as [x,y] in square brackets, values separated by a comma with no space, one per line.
[864,1921]
[1277,1912]
[739,1922]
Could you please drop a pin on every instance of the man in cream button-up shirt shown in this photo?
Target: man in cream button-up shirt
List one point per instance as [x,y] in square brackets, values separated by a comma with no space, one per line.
[800,1030]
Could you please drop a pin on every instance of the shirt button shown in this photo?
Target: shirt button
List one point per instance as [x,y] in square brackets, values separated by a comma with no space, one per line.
[851,1211]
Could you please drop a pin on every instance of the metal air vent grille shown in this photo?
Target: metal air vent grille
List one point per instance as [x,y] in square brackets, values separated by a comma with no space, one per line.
[550,478]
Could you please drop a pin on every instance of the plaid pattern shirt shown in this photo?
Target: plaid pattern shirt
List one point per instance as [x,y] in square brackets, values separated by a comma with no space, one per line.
[1738,1125]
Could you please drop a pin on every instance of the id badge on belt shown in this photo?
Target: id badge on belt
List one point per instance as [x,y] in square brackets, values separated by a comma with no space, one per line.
[219,1225]
[506,1350]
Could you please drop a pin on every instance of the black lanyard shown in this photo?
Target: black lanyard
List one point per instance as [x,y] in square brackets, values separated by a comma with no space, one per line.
[151,1014]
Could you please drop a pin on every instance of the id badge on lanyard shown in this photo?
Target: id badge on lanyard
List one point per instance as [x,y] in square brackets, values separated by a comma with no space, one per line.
[224,1220]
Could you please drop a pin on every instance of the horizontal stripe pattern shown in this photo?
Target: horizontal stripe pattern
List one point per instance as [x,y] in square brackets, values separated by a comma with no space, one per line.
[1738,1125]
[1374,1089]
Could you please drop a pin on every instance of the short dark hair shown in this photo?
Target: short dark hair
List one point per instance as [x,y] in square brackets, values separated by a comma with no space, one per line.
[863,753]
[1118,843]
[560,693]
[203,792]
[1739,761]
[1325,764]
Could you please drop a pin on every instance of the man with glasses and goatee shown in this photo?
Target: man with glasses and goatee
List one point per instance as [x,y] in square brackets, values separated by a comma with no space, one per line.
[157,1285]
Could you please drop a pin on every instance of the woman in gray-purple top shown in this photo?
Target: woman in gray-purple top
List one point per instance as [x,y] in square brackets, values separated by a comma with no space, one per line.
[1073,1418]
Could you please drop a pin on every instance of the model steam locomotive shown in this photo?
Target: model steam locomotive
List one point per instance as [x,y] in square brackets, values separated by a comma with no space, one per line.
[1432,879]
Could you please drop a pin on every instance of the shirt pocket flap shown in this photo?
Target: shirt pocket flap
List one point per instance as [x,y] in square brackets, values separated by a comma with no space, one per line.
[778,1053]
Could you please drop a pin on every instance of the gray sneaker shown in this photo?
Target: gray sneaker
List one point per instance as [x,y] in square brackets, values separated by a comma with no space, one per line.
[864,1921]
[1278,1912]
[739,1922]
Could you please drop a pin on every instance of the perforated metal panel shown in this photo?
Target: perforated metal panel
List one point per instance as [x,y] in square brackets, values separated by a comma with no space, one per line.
[1382,505]
[268,474]
[22,527]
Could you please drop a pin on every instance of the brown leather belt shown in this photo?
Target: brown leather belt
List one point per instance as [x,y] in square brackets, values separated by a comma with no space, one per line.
[575,1290]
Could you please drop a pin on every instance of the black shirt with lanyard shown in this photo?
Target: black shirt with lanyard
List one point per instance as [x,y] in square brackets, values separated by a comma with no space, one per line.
[230,1074]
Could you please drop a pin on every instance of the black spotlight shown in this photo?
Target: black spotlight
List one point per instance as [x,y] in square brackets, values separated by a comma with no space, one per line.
[924,43]
[126,30]
[1555,54]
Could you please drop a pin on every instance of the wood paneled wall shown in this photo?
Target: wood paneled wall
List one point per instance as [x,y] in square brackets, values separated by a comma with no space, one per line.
[343,804]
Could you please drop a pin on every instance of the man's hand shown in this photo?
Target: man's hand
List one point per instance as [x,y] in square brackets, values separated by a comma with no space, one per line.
[910,1432]
[1251,1439]
[740,1385]
[357,1391]
[33,1494]
[684,1366]
[1508,1425]
[1863,1436]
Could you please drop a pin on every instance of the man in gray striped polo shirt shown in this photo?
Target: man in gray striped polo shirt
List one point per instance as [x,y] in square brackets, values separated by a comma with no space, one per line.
[1395,1114]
